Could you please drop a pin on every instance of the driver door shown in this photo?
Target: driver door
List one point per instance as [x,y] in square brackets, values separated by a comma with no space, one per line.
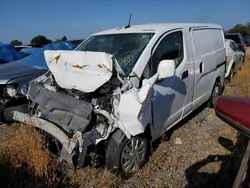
[170,95]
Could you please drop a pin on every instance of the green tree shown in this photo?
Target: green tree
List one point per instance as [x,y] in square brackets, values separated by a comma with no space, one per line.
[57,40]
[16,42]
[240,28]
[64,38]
[40,39]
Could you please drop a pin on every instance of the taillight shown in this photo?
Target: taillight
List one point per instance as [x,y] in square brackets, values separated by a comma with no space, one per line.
[226,59]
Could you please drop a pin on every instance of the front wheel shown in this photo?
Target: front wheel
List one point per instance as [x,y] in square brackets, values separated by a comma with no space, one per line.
[125,155]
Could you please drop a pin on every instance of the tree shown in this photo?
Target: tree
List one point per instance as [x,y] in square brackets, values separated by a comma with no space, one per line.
[64,38]
[58,40]
[240,28]
[16,42]
[40,39]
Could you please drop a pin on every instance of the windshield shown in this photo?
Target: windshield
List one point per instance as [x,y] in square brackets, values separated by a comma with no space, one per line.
[126,48]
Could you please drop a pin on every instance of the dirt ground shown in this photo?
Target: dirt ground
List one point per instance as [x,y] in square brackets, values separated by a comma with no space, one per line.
[202,151]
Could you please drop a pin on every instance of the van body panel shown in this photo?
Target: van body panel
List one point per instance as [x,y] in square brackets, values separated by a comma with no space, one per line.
[203,62]
[209,54]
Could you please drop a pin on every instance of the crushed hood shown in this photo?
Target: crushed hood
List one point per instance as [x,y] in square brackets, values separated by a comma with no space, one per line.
[81,70]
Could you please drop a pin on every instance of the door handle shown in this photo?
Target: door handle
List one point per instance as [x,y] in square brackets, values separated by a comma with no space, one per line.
[184,75]
[201,67]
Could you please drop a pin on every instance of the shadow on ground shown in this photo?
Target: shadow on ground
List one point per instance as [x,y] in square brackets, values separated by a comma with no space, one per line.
[168,134]
[229,166]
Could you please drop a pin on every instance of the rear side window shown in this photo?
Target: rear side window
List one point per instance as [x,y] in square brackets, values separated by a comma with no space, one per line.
[169,48]
[207,41]
[232,46]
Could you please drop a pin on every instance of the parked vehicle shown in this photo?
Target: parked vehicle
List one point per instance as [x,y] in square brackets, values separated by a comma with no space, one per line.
[14,75]
[234,58]
[239,39]
[27,51]
[75,43]
[18,48]
[247,41]
[235,112]
[8,53]
[123,88]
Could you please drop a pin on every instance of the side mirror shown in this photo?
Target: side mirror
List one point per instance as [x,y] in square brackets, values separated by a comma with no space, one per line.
[166,68]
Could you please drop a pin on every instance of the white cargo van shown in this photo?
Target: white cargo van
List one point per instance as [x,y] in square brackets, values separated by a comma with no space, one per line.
[134,82]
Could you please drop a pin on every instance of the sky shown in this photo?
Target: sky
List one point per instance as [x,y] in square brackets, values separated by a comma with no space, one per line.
[77,19]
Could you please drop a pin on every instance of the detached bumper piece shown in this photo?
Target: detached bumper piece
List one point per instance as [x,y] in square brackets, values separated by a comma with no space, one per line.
[73,148]
[65,111]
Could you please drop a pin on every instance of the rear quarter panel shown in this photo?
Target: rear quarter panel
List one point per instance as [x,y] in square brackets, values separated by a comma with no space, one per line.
[209,48]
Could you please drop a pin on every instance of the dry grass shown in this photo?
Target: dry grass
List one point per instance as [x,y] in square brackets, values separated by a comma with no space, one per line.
[23,162]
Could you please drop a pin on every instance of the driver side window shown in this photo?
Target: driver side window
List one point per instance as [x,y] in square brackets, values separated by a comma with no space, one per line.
[169,48]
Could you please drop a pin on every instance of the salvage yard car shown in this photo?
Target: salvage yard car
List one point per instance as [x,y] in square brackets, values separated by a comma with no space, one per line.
[8,53]
[16,74]
[239,39]
[123,88]
[234,58]
[235,111]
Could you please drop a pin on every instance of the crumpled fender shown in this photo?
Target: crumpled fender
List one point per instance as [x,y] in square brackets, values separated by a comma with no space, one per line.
[135,107]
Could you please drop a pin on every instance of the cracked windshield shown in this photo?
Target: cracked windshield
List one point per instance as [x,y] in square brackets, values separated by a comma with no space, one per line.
[126,48]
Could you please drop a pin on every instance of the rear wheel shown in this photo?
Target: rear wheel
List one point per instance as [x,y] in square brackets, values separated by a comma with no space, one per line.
[125,155]
[231,74]
[217,91]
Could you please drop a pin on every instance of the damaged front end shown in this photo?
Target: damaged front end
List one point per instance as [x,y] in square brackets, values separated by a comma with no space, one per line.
[82,100]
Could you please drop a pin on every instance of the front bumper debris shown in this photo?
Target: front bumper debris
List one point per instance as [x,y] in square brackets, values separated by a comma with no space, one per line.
[73,149]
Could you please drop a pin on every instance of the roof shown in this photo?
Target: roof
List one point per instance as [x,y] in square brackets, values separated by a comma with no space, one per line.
[229,40]
[155,27]
[5,44]
[23,46]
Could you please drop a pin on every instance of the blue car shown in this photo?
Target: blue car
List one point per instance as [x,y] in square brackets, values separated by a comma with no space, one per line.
[14,75]
[8,53]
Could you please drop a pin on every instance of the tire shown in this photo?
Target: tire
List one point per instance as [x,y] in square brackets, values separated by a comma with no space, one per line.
[231,74]
[1,112]
[121,158]
[217,91]
[241,66]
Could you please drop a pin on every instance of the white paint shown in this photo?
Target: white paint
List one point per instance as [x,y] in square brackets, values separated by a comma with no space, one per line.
[171,98]
[135,107]
[166,69]
[234,56]
[84,71]
[209,52]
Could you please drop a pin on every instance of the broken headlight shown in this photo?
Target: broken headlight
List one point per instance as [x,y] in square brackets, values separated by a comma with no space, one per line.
[9,90]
